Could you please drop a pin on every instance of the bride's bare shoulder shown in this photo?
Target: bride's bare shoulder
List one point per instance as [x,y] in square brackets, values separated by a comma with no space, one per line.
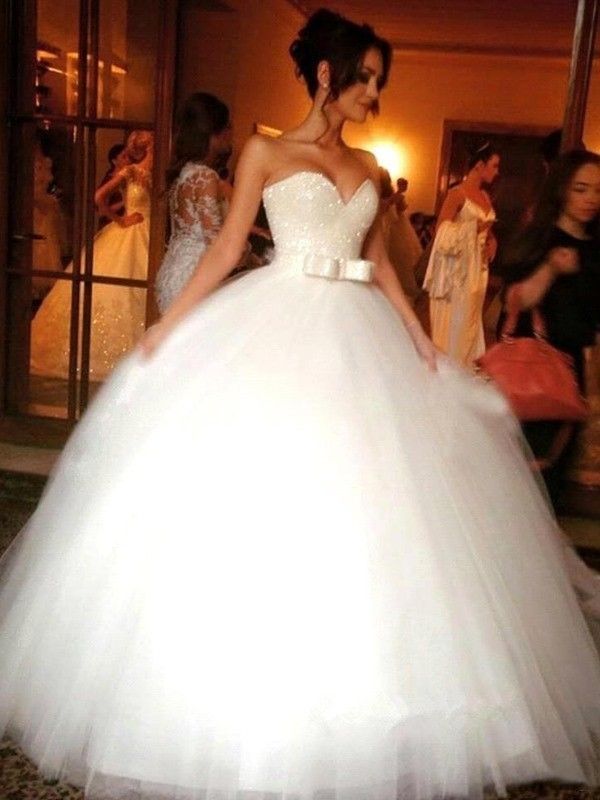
[364,155]
[369,161]
[258,146]
[264,151]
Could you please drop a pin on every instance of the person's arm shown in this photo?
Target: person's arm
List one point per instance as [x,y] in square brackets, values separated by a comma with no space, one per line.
[105,210]
[196,200]
[452,204]
[387,280]
[222,256]
[530,291]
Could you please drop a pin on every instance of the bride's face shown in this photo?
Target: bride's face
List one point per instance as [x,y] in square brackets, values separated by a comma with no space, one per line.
[355,102]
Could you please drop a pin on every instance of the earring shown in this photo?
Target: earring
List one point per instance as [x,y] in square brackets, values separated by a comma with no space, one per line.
[325,85]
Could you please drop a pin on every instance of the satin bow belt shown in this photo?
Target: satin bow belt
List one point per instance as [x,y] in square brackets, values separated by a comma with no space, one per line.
[339,269]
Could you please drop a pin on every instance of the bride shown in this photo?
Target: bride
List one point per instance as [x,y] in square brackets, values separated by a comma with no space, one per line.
[120,251]
[289,550]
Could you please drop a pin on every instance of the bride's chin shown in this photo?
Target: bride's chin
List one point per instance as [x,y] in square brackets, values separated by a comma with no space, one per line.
[358,115]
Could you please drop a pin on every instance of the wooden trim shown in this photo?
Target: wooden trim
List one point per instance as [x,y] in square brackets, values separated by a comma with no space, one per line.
[5,82]
[99,122]
[498,127]
[20,202]
[586,24]
[83,278]
[89,209]
[485,51]
[79,213]
[470,126]
[33,430]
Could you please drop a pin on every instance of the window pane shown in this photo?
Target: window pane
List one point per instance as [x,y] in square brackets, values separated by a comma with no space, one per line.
[127,59]
[43,200]
[49,353]
[56,56]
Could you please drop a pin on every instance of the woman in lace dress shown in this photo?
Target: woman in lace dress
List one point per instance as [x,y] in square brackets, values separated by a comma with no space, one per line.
[120,251]
[457,274]
[196,197]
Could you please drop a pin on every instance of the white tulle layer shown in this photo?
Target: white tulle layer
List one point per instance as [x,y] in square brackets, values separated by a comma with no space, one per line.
[283,558]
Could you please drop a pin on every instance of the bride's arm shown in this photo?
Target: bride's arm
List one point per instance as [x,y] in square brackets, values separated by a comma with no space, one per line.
[224,253]
[387,280]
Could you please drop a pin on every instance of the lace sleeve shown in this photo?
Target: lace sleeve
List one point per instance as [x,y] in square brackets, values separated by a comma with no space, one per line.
[195,202]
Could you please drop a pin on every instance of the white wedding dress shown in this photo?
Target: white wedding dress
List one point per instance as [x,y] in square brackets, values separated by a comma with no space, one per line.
[282,557]
[118,312]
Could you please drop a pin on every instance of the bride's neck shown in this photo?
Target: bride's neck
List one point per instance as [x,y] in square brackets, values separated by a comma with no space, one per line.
[332,138]
[322,126]
[473,180]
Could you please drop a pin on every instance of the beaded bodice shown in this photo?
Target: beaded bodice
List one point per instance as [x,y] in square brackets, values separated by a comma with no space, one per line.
[308,215]
[137,192]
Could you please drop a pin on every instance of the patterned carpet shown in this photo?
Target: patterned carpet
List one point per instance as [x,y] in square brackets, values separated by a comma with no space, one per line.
[20,780]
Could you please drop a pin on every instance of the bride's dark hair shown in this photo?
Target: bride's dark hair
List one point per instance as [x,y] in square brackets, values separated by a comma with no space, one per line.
[201,116]
[482,152]
[328,36]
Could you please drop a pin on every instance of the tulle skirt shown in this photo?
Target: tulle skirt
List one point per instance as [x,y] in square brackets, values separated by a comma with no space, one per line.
[282,557]
[118,312]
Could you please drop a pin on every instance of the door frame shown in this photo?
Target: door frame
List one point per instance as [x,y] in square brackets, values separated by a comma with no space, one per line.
[46,431]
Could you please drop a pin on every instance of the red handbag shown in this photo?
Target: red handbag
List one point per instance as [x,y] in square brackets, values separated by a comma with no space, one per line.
[537,379]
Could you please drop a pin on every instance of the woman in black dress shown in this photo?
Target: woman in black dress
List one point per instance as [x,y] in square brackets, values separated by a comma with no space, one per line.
[555,265]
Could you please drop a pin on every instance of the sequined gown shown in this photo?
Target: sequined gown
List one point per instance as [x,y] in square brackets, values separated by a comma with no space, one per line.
[118,312]
[283,559]
[196,218]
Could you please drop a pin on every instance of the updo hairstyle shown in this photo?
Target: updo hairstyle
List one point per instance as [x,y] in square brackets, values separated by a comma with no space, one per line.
[483,153]
[328,36]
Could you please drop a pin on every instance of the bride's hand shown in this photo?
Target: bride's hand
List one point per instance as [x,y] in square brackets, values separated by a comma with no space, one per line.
[423,344]
[153,338]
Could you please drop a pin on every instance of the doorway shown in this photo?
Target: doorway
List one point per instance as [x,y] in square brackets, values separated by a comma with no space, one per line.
[88,80]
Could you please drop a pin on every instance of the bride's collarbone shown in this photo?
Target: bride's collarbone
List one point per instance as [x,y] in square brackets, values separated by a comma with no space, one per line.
[346,187]
[481,201]
[343,168]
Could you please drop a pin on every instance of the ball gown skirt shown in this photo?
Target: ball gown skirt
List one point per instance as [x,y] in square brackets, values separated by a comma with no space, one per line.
[282,558]
[118,312]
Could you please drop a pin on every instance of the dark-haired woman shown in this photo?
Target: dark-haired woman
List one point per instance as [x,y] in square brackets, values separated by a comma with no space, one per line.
[555,265]
[457,274]
[308,560]
[195,191]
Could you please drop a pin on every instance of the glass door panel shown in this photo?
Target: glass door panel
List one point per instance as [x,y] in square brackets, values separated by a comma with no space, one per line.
[127,60]
[76,274]
[41,247]
[57,52]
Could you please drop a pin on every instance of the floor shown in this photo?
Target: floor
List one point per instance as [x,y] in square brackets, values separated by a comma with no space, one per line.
[28,460]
